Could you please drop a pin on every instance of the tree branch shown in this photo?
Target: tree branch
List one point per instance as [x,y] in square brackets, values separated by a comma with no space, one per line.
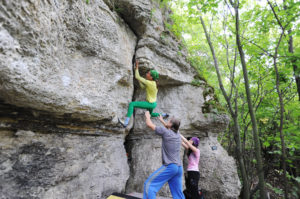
[217,67]
[272,8]
[265,51]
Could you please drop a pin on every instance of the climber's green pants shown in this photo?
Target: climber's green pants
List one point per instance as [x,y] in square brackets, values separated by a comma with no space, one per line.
[144,105]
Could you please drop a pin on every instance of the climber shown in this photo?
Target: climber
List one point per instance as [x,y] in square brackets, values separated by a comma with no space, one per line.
[150,83]
[193,175]
[171,170]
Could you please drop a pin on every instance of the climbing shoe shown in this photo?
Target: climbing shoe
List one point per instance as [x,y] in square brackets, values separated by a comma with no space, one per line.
[130,123]
[121,122]
[165,115]
[124,123]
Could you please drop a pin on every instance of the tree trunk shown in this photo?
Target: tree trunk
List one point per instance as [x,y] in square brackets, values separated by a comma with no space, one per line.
[283,155]
[283,151]
[253,118]
[234,115]
[291,50]
[295,67]
[229,139]
[246,185]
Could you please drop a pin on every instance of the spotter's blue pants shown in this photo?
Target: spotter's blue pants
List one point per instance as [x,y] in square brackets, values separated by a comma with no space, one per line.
[172,174]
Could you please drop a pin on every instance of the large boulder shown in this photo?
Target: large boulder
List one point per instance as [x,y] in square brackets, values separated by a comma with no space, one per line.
[35,165]
[66,57]
[218,176]
[65,76]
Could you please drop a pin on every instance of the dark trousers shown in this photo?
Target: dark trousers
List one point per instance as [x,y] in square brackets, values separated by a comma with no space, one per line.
[191,183]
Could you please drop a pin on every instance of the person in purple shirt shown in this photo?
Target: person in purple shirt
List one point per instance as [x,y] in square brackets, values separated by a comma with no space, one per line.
[193,174]
[171,171]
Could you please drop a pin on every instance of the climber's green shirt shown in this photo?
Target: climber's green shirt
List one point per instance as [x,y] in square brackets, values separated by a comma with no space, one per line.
[151,88]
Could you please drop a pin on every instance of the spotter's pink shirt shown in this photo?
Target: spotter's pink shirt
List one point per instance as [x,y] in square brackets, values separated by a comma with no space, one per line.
[194,161]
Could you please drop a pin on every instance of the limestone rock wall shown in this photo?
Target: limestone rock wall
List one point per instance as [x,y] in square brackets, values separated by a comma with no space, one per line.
[66,57]
[35,165]
[218,176]
[66,74]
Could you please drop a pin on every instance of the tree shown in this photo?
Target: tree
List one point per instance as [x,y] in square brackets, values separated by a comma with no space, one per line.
[259,36]
[233,113]
[250,106]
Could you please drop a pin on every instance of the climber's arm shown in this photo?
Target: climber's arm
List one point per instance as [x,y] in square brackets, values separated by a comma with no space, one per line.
[139,78]
[162,121]
[141,85]
[190,146]
[149,122]
[184,145]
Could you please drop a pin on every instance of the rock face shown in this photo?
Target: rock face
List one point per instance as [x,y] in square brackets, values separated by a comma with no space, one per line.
[66,57]
[213,165]
[66,74]
[61,166]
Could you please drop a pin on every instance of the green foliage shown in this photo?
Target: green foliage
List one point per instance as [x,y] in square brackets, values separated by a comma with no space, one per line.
[276,190]
[260,34]
[196,83]
[152,12]
[162,3]
[179,53]
[162,37]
